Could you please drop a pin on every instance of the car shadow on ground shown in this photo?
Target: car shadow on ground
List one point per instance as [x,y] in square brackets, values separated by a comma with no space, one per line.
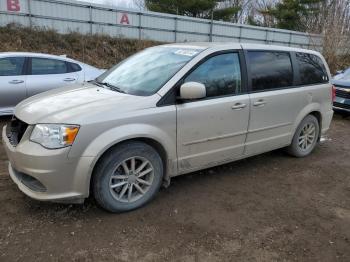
[180,184]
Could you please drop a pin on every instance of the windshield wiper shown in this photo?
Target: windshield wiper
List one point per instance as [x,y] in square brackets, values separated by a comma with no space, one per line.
[110,86]
[95,82]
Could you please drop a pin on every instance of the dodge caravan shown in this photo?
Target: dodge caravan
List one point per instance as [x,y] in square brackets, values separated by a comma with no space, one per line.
[163,112]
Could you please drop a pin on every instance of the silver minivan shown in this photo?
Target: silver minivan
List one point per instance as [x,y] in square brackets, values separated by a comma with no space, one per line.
[163,112]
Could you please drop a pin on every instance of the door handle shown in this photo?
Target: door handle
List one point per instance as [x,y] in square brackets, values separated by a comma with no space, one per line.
[16,81]
[238,106]
[260,102]
[69,79]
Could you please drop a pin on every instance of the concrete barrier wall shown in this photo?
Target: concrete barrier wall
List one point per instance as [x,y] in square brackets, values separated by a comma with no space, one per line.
[86,18]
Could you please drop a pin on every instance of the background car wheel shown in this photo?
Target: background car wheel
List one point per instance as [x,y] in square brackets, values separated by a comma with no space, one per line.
[305,137]
[127,177]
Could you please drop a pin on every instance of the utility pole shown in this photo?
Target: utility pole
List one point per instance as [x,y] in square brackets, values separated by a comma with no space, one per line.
[211,25]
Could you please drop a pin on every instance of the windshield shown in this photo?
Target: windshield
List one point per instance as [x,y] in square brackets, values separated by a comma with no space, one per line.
[146,72]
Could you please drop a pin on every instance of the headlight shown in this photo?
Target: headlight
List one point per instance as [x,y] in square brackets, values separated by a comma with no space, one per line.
[54,136]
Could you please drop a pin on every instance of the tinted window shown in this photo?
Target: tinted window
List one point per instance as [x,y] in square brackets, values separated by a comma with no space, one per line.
[74,67]
[270,70]
[11,66]
[312,69]
[44,66]
[220,74]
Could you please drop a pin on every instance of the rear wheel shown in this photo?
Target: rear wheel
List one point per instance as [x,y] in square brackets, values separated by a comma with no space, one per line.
[305,137]
[127,177]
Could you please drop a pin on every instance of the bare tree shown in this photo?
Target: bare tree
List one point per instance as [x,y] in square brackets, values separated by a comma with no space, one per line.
[140,4]
[257,10]
[243,5]
[333,22]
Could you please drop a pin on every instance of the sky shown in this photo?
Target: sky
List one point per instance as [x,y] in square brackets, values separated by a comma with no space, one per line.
[117,3]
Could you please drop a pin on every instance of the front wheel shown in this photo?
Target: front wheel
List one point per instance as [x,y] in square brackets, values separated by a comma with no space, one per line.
[127,177]
[305,137]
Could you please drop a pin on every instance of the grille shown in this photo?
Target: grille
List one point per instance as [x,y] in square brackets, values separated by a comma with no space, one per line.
[342,93]
[15,130]
[346,106]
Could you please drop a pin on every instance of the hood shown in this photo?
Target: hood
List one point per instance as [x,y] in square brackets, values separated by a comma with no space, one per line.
[341,83]
[74,104]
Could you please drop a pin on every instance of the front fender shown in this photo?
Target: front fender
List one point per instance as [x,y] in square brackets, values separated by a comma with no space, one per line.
[130,131]
[106,140]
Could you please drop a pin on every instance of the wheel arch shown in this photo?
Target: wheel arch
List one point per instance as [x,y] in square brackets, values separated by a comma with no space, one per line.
[318,116]
[149,141]
[168,166]
[312,109]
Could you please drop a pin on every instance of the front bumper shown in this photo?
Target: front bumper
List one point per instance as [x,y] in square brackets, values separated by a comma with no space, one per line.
[47,175]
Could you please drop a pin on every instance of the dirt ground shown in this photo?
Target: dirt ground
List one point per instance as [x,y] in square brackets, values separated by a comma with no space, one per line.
[266,208]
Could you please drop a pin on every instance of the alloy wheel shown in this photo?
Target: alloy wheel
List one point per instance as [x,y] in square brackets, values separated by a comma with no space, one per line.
[307,136]
[131,179]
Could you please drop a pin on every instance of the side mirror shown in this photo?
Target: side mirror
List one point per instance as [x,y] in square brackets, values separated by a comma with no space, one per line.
[192,90]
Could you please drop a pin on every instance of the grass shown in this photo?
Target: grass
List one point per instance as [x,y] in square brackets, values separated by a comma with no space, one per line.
[98,50]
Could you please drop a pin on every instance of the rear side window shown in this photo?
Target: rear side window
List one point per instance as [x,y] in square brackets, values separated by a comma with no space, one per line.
[312,69]
[221,75]
[270,70]
[11,66]
[44,66]
[74,67]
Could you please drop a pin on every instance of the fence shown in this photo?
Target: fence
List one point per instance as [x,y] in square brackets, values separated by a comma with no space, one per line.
[86,18]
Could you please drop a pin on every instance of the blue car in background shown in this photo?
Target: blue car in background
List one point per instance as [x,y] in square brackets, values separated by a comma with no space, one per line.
[341,82]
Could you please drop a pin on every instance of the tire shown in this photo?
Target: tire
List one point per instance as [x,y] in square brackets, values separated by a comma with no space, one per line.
[117,172]
[297,148]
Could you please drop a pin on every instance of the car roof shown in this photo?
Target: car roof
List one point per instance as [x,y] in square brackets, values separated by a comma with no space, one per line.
[234,45]
[197,45]
[30,54]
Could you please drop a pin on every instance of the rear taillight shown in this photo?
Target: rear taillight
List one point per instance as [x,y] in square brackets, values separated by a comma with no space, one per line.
[333,93]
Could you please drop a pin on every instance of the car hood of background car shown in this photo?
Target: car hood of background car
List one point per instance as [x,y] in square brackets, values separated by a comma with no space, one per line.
[341,83]
[79,103]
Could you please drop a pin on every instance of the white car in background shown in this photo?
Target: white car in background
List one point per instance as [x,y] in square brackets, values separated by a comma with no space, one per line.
[25,74]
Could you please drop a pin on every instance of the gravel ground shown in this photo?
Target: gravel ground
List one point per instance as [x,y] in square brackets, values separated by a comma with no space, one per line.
[270,207]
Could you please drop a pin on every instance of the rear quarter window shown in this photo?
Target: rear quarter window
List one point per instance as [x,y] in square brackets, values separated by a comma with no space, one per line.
[74,67]
[311,69]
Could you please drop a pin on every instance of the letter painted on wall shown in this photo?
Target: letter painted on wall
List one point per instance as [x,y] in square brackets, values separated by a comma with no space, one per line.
[124,19]
[13,5]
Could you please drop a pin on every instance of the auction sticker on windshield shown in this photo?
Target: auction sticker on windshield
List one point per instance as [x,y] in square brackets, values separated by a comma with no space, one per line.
[186,52]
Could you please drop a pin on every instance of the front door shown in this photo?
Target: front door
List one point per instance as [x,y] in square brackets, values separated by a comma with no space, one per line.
[213,130]
[12,83]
